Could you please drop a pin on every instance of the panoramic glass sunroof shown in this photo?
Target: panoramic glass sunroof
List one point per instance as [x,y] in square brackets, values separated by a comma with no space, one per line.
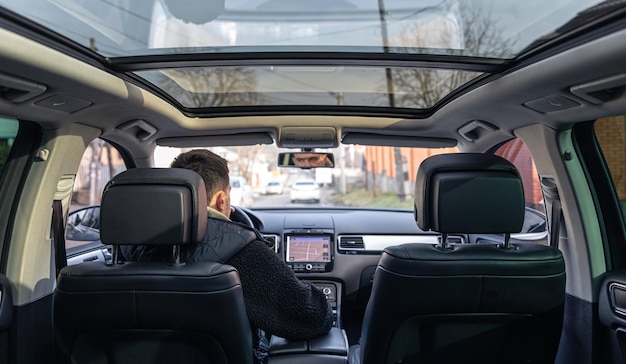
[477,28]
[215,33]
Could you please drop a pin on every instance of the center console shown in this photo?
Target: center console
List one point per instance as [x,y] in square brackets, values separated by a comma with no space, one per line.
[310,251]
[308,247]
[332,291]
[326,349]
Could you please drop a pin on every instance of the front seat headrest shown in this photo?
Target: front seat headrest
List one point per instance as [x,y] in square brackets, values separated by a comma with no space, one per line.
[154,206]
[469,193]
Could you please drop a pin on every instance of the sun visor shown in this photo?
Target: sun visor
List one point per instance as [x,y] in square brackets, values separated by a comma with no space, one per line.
[241,139]
[397,140]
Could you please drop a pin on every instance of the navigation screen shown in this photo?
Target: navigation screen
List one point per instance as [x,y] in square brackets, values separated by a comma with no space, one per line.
[308,248]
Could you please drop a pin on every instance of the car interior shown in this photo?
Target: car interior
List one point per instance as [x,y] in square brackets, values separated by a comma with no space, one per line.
[450,174]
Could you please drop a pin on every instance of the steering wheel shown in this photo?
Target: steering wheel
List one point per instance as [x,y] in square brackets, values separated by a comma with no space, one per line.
[239,215]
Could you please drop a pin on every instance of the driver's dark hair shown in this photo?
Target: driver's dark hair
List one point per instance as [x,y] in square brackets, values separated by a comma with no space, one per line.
[211,167]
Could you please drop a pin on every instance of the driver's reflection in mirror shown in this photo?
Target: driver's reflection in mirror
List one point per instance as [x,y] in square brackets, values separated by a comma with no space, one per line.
[309,160]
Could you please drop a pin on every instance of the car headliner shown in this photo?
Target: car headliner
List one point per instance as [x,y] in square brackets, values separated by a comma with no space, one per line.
[547,58]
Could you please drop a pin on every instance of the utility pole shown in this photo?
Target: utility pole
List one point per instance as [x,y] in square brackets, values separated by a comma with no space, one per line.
[342,156]
[397,152]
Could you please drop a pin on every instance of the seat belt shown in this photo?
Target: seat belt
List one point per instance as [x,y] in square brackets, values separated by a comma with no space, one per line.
[58,234]
[555,226]
[551,193]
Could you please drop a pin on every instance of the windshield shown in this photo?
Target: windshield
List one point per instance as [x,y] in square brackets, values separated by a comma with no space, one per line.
[363,176]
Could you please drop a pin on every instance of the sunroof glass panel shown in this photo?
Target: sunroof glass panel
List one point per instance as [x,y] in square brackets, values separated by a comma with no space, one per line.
[476,28]
[203,87]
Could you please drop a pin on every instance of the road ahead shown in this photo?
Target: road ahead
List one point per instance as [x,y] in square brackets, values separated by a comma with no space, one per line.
[282,200]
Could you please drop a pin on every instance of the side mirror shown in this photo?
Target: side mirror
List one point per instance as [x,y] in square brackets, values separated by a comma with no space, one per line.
[306,160]
[83,224]
[535,228]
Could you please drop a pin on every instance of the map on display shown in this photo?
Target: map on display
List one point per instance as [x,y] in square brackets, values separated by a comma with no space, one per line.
[308,248]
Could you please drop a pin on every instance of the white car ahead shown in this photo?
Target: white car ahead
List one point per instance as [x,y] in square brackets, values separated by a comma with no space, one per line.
[274,188]
[305,190]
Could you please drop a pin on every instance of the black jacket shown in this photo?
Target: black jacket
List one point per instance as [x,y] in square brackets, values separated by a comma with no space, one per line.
[276,300]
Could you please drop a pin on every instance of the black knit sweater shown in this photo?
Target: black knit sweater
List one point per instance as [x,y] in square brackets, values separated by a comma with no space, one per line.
[276,300]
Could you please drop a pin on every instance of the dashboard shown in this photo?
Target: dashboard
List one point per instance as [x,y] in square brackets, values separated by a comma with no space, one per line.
[337,249]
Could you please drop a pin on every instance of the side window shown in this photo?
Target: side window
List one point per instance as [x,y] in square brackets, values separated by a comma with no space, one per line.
[8,131]
[101,162]
[611,135]
[535,226]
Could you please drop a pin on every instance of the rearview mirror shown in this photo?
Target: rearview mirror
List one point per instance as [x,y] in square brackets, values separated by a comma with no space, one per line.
[306,160]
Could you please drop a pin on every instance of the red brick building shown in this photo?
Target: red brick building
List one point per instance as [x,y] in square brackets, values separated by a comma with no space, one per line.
[381,167]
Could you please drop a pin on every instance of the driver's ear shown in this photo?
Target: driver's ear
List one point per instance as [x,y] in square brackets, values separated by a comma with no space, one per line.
[220,200]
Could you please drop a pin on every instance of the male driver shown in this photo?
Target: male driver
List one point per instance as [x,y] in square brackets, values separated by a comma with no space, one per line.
[277,302]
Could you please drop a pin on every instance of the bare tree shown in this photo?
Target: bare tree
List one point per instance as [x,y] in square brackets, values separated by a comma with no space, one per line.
[479,36]
[422,88]
[212,86]
[248,155]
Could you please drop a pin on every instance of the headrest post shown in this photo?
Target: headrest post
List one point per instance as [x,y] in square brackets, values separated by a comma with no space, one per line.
[507,241]
[443,242]
[116,255]
[176,256]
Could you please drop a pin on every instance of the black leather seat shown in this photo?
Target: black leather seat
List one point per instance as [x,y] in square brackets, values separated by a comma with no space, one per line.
[466,303]
[152,312]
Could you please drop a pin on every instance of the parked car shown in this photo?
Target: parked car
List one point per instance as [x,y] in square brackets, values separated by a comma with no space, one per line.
[274,188]
[89,89]
[241,193]
[305,190]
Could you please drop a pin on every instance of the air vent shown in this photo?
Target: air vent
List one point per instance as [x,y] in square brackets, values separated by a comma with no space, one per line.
[351,243]
[273,241]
